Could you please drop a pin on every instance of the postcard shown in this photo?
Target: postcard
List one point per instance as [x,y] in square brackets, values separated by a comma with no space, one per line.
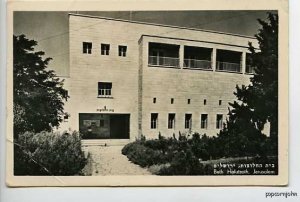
[143,94]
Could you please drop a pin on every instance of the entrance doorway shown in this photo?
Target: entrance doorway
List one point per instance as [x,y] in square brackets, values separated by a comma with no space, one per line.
[104,126]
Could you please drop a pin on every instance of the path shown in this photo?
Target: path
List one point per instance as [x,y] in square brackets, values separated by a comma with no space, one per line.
[108,160]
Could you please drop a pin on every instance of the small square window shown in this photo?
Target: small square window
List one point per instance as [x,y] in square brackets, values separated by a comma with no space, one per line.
[104,89]
[154,100]
[204,101]
[87,47]
[189,101]
[220,102]
[122,51]
[105,49]
[172,100]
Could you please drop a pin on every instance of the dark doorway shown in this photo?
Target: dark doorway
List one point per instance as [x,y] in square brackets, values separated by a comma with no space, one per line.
[119,126]
[104,126]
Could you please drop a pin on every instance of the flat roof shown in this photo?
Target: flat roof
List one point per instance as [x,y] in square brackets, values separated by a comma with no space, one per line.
[160,25]
[174,38]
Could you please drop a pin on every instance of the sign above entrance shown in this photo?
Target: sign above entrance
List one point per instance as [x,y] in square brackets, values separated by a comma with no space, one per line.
[105,109]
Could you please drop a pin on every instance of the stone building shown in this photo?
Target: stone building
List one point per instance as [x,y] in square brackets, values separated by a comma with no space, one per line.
[130,78]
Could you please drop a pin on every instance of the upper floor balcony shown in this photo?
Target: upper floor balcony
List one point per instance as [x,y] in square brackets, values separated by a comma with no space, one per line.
[198,58]
[229,61]
[166,55]
[163,61]
[197,64]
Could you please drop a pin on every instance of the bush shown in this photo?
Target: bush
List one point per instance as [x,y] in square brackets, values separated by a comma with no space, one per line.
[243,144]
[182,156]
[162,144]
[169,156]
[142,155]
[183,163]
[48,153]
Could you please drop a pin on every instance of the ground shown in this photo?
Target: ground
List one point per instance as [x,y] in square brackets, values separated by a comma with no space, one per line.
[108,160]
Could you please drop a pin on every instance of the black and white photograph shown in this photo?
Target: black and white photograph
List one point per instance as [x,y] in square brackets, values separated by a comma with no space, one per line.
[154,94]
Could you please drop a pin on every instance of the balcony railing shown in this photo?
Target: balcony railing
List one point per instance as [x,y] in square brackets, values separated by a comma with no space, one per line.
[163,61]
[250,69]
[227,66]
[197,64]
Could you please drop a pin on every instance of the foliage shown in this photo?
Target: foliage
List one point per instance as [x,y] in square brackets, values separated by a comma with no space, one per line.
[38,93]
[262,94]
[183,163]
[258,102]
[48,153]
[204,147]
[183,156]
[142,155]
[241,138]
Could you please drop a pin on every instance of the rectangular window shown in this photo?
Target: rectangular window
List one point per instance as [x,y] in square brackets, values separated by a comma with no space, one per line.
[171,121]
[87,47]
[204,118]
[154,117]
[122,51]
[105,49]
[220,102]
[204,101]
[189,101]
[104,89]
[154,100]
[219,122]
[188,121]
[172,100]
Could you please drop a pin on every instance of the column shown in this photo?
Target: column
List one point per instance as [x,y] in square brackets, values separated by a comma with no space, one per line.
[243,62]
[214,59]
[181,56]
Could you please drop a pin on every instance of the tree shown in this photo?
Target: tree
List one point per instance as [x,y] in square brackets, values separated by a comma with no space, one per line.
[262,95]
[258,102]
[38,93]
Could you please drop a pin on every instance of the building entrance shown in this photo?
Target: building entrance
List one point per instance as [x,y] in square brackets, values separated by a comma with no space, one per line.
[104,126]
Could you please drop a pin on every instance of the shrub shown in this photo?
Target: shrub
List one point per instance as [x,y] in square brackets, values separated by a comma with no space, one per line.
[185,163]
[160,144]
[182,156]
[242,144]
[48,153]
[142,155]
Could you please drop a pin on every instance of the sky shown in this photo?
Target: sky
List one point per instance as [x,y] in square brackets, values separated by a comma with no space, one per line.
[50,29]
